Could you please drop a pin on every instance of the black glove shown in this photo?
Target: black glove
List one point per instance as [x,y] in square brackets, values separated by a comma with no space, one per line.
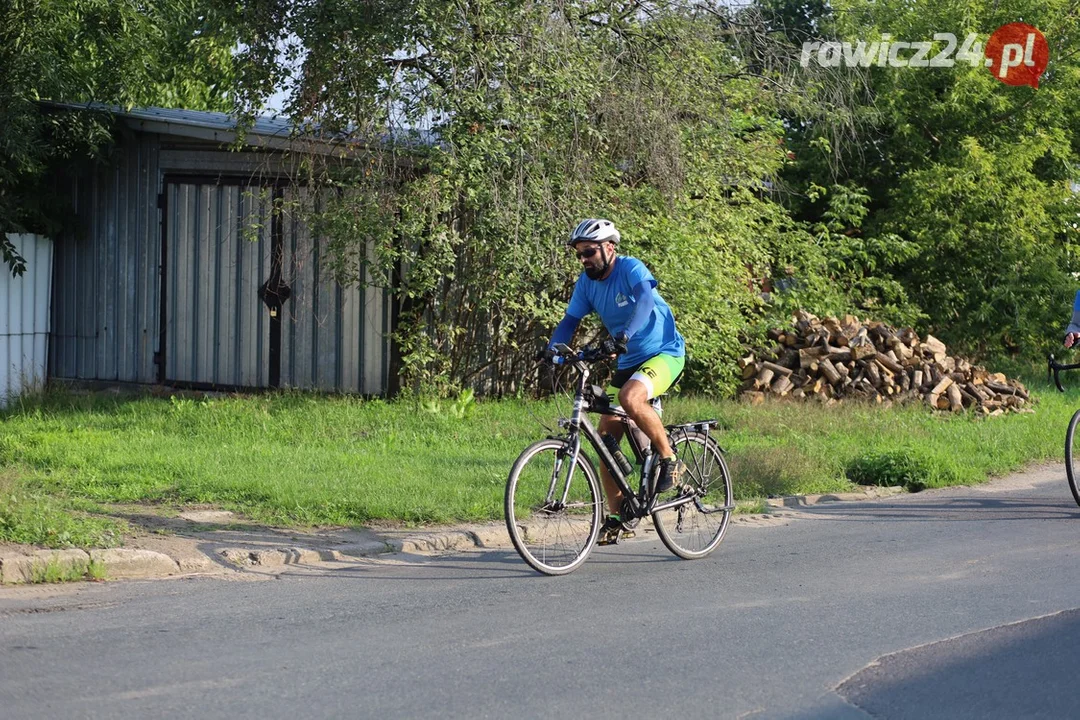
[545,354]
[614,346]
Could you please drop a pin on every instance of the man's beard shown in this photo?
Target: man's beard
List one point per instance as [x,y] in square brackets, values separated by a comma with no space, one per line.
[595,273]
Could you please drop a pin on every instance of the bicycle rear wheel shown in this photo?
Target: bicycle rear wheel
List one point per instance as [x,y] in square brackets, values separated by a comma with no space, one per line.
[694,529]
[1072,457]
[552,524]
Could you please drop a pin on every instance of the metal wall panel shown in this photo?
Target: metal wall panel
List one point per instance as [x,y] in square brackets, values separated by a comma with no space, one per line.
[334,336]
[216,326]
[104,314]
[24,318]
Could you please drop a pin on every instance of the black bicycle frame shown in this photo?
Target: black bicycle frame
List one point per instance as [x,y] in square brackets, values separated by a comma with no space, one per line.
[639,503]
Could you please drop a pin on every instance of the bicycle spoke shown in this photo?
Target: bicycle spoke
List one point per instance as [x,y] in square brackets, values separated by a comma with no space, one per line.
[693,529]
[551,535]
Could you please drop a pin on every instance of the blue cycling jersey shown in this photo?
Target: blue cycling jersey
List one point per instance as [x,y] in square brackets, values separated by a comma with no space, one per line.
[613,300]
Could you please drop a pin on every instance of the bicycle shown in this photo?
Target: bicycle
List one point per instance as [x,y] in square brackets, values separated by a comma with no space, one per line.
[553,503]
[1072,460]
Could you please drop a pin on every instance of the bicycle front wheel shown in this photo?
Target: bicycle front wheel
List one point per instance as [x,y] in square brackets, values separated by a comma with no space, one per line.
[694,529]
[552,514]
[1072,457]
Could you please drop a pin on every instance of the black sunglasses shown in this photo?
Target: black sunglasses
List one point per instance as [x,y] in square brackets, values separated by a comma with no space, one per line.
[588,252]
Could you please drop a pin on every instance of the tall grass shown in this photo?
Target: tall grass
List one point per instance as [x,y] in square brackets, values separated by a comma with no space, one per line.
[300,459]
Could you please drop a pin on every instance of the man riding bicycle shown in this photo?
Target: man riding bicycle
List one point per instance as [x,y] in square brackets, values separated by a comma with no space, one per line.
[622,291]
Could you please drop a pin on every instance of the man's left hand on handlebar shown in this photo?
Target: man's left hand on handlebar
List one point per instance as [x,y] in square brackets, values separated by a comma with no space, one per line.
[1071,338]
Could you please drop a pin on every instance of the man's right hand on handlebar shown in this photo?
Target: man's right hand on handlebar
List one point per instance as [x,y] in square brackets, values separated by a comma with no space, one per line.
[613,346]
[1071,338]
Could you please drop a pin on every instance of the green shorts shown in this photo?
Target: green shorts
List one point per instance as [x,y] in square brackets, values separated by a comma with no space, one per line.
[657,374]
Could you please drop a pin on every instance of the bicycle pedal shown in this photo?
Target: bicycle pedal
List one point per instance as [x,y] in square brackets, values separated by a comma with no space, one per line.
[613,537]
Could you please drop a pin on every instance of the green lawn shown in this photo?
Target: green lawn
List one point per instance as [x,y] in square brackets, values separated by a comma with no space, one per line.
[297,459]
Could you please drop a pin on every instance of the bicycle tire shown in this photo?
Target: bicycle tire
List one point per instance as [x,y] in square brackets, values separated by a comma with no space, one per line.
[552,538]
[1072,458]
[694,529]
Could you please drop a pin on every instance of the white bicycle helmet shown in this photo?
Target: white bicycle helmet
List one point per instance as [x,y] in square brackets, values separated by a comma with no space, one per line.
[594,230]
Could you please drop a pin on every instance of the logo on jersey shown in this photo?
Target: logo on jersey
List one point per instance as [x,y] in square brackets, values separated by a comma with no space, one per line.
[621,300]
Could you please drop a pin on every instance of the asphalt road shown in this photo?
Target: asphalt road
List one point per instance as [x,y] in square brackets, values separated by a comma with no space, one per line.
[959,603]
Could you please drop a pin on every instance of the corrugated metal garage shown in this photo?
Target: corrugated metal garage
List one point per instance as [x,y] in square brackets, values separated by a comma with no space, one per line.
[177,271]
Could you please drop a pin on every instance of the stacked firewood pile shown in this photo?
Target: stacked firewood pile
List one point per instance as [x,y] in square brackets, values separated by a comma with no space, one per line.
[830,359]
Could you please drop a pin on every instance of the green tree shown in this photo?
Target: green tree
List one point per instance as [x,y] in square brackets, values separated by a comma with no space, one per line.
[172,53]
[968,178]
[501,125]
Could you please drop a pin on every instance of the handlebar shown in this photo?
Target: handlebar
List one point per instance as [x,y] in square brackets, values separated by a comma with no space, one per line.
[563,353]
[1053,368]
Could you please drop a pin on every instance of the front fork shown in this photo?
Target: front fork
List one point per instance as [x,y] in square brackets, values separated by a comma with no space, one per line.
[574,439]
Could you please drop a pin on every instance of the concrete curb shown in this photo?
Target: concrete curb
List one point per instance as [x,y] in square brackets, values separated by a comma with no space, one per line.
[134,563]
[278,557]
[38,565]
[216,556]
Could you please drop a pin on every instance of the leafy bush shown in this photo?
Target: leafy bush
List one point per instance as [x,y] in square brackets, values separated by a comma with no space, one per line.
[912,468]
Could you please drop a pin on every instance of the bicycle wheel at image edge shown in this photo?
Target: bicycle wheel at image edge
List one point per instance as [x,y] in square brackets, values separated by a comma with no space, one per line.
[1072,458]
[552,535]
[693,530]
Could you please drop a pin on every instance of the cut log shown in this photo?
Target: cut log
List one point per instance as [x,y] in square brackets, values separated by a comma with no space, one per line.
[782,386]
[873,372]
[942,385]
[830,372]
[777,369]
[934,346]
[956,402]
[862,347]
[1001,388]
[840,355]
[808,356]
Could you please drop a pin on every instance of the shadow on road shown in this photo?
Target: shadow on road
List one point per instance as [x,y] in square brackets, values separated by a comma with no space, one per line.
[1026,669]
[965,509]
